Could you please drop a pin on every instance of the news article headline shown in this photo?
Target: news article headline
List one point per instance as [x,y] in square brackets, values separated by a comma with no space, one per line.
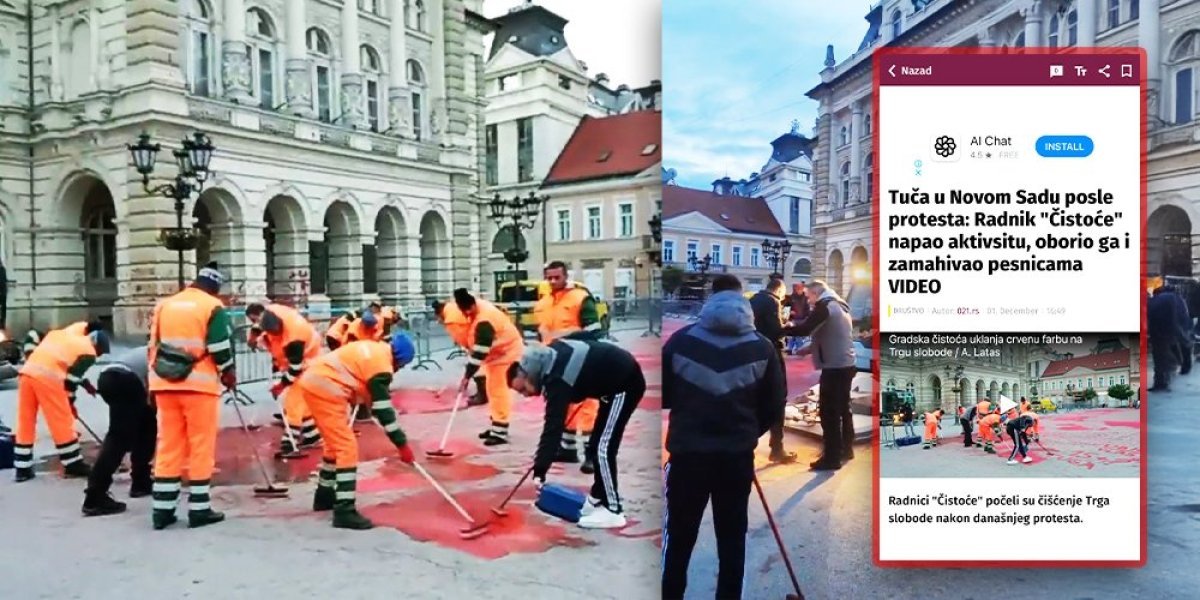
[984,241]
[1012,509]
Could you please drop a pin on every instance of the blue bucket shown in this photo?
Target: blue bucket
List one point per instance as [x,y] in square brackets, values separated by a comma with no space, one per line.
[560,501]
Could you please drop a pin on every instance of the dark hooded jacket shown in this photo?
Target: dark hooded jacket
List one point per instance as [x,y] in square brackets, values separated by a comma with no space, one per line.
[722,380]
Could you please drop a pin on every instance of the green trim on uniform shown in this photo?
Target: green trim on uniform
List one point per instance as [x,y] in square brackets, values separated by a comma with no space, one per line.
[382,410]
[485,335]
[77,370]
[220,332]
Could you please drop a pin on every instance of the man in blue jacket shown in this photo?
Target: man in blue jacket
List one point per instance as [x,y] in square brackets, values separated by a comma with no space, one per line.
[723,385]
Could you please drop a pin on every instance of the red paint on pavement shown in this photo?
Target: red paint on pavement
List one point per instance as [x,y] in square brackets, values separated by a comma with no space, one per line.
[636,530]
[1070,427]
[422,401]
[1132,424]
[427,517]
[394,475]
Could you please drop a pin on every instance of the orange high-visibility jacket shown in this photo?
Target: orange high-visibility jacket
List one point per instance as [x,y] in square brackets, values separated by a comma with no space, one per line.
[457,324]
[182,320]
[337,330]
[61,359]
[358,331]
[296,328]
[79,328]
[507,346]
[346,372]
[982,408]
[558,312]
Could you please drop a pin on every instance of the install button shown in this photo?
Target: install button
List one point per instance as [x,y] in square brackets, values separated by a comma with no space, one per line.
[1065,146]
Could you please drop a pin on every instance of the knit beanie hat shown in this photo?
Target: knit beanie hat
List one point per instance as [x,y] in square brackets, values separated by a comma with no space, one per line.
[536,362]
[209,278]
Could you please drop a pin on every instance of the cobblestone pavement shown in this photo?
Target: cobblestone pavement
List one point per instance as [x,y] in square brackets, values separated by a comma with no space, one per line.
[272,545]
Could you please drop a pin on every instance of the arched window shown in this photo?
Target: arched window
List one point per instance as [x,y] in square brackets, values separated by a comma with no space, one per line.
[100,240]
[1184,62]
[199,47]
[1053,34]
[416,86]
[1072,28]
[891,385]
[372,69]
[868,179]
[321,54]
[416,15]
[897,21]
[802,269]
[845,183]
[260,30]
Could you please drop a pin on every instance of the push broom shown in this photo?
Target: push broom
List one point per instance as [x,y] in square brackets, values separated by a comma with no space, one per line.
[499,510]
[474,529]
[270,490]
[296,452]
[779,540]
[441,453]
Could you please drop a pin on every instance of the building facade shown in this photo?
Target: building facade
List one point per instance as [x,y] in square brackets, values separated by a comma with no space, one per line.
[947,383]
[603,189]
[347,137]
[1169,30]
[727,228]
[1097,372]
[537,92]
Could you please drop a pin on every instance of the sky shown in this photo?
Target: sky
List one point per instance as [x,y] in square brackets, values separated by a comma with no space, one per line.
[735,74]
[620,38]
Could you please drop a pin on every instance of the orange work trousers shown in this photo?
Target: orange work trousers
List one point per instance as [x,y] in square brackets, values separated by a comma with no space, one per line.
[499,395]
[931,434]
[985,428]
[584,418]
[187,434]
[34,394]
[295,409]
[340,447]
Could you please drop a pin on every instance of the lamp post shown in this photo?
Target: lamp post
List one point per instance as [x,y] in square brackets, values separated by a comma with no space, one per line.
[776,252]
[192,159]
[955,376]
[519,213]
[654,313]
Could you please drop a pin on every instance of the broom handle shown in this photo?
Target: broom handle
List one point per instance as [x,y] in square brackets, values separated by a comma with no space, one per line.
[529,471]
[450,424]
[262,467]
[287,429]
[437,486]
[779,540]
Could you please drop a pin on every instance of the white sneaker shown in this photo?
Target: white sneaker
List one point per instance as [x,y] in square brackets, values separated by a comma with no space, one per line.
[1026,460]
[602,518]
[589,506]
[1012,461]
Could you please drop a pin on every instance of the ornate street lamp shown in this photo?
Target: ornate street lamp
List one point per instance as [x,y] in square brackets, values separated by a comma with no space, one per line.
[519,213]
[700,265]
[192,159]
[776,252]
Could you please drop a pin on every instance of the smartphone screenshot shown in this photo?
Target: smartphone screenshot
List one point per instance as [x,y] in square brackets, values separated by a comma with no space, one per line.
[1009,236]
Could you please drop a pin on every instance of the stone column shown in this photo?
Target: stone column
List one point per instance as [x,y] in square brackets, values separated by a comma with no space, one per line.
[1033,24]
[413,272]
[56,80]
[835,170]
[1149,32]
[299,76]
[352,79]
[1088,20]
[94,49]
[399,108]
[856,123]
[235,55]
[437,78]
[240,250]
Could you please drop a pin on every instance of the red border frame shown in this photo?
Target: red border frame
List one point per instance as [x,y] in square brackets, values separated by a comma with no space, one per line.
[877,441]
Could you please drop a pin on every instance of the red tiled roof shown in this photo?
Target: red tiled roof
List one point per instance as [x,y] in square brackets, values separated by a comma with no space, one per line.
[609,147]
[738,213]
[1117,359]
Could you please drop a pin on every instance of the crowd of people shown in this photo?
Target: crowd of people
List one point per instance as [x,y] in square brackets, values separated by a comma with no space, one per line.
[725,385]
[164,397]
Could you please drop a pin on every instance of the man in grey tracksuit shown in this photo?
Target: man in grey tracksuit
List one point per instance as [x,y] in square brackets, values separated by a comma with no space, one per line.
[832,348]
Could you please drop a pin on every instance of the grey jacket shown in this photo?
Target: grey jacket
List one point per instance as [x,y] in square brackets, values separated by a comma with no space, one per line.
[134,360]
[830,326]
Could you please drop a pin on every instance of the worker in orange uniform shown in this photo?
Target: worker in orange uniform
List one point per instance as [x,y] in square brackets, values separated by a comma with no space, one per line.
[1034,429]
[191,360]
[368,327]
[982,408]
[458,327]
[34,337]
[292,342]
[569,309]
[48,382]
[933,422]
[356,370]
[335,336]
[987,430]
[494,343]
